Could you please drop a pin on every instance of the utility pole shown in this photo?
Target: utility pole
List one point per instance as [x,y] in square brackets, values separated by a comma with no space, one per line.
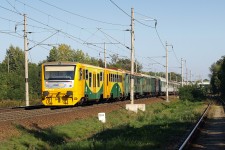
[167,82]
[132,58]
[7,52]
[186,71]
[105,64]
[104,55]
[167,94]
[186,74]
[182,80]
[136,66]
[190,77]
[132,106]
[26,62]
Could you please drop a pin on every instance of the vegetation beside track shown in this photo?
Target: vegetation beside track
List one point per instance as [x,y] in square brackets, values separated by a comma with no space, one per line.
[156,128]
[16,103]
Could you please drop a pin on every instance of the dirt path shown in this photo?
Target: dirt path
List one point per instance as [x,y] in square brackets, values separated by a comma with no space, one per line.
[212,136]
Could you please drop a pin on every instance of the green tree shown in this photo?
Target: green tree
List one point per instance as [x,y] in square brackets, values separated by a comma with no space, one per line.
[65,53]
[217,76]
[12,76]
[123,63]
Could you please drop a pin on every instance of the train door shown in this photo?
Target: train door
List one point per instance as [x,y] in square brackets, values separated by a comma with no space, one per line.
[106,91]
[94,84]
[126,85]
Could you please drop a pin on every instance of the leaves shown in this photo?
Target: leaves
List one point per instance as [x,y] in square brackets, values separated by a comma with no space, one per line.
[218,76]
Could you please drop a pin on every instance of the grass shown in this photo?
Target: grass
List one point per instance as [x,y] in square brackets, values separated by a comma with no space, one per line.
[15,103]
[156,128]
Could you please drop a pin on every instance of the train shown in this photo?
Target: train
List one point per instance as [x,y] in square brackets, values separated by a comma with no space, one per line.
[75,83]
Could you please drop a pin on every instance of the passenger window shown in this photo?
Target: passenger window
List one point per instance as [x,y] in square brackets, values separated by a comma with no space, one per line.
[81,73]
[86,74]
[98,80]
[110,77]
[94,80]
[101,76]
[90,79]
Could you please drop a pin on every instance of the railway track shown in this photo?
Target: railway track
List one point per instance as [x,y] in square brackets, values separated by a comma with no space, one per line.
[209,132]
[18,113]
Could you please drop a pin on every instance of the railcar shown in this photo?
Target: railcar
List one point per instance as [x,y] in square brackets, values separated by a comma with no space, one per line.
[71,83]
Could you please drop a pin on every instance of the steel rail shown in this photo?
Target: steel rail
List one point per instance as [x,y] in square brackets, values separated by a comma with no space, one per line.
[194,129]
[24,114]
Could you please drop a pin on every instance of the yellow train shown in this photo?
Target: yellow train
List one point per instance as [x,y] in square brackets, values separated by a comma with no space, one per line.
[70,83]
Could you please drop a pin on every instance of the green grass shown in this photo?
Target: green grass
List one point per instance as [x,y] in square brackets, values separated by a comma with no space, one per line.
[15,103]
[156,128]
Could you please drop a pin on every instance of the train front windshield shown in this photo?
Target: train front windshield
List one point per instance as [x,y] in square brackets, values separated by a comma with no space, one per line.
[59,72]
[58,77]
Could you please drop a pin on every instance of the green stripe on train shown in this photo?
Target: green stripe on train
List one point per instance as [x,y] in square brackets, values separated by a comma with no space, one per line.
[91,95]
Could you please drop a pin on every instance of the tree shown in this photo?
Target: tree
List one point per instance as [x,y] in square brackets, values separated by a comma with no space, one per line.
[218,76]
[123,63]
[14,60]
[12,76]
[61,53]
[65,53]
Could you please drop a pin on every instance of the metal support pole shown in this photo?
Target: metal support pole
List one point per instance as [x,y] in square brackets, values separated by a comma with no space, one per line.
[7,52]
[190,77]
[167,85]
[26,63]
[105,54]
[186,73]
[132,58]
[182,80]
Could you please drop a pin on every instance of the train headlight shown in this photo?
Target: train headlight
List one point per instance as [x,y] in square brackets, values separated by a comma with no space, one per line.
[69,93]
[45,93]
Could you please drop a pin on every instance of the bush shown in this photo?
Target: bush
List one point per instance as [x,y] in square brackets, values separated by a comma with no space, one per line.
[191,93]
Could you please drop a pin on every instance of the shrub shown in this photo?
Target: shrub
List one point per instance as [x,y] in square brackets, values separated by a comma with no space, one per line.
[191,93]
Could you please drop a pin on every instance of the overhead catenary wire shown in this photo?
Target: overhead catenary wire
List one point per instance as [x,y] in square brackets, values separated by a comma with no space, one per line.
[88,18]
[13,7]
[78,39]
[62,20]
[115,39]
[11,10]
[129,15]
[66,34]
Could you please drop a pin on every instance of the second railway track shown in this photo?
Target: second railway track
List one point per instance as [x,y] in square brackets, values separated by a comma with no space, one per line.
[208,133]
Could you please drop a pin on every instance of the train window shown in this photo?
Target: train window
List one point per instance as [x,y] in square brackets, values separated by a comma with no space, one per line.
[112,77]
[94,80]
[90,79]
[81,73]
[86,74]
[98,80]
[101,76]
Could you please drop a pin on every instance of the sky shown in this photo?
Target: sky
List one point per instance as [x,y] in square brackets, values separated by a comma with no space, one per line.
[195,29]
